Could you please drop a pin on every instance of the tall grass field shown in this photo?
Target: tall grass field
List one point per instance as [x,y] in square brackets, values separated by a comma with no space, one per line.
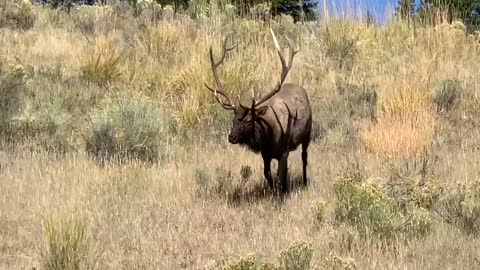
[114,154]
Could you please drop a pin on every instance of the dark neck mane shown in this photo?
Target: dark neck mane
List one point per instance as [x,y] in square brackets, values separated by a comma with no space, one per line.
[260,136]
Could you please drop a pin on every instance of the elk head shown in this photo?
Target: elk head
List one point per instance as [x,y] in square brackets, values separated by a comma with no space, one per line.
[246,117]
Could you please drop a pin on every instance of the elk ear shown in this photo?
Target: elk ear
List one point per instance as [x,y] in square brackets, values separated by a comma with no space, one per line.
[261,111]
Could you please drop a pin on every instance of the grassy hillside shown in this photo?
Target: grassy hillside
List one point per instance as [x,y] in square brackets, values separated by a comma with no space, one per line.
[114,155]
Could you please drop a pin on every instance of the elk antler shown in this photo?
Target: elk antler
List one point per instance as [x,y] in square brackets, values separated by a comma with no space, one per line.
[286,66]
[219,89]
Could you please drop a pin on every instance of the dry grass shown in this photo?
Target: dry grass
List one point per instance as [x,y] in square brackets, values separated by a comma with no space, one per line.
[149,216]
[405,125]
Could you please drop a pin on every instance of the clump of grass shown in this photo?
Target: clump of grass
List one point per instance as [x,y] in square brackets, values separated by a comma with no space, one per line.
[102,65]
[405,124]
[125,128]
[67,245]
[17,14]
[365,206]
[163,41]
[297,256]
[446,96]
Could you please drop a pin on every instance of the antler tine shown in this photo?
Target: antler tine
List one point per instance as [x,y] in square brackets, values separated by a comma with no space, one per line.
[224,51]
[285,67]
[223,104]
[215,64]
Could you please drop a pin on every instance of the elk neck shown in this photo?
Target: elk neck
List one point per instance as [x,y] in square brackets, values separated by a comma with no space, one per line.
[259,139]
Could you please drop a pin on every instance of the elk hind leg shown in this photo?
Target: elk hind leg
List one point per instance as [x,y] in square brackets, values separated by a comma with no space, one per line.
[304,160]
[283,173]
[266,170]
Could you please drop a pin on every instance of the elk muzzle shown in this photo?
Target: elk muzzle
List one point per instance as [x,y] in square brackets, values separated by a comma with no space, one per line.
[232,138]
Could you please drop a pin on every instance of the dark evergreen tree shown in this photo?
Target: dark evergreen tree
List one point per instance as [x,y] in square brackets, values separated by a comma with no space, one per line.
[292,7]
[465,10]
[368,18]
[405,8]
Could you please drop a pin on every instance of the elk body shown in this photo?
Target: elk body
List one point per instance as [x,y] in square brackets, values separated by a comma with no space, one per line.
[274,125]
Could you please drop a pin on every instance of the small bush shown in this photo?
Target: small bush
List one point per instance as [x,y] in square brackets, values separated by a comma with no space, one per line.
[202,179]
[224,185]
[126,128]
[340,263]
[318,211]
[461,207]
[447,94]
[91,19]
[410,192]
[296,257]
[17,14]
[361,100]
[340,46]
[363,205]
[248,262]
[12,86]
[67,246]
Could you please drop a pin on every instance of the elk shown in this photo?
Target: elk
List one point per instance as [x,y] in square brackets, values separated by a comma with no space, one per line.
[273,125]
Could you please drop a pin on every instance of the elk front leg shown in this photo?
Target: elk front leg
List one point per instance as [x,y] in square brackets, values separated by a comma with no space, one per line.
[283,173]
[266,170]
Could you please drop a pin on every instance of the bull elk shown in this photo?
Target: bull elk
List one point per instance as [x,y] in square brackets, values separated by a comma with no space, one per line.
[274,125]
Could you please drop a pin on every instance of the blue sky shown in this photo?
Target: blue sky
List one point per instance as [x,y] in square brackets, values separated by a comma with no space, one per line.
[379,8]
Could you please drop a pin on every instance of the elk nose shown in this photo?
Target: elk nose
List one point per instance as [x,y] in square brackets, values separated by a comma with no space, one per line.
[232,139]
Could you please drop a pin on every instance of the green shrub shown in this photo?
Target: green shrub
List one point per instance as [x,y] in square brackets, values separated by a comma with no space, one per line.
[68,246]
[318,211]
[248,262]
[91,19]
[127,127]
[364,205]
[296,257]
[460,206]
[410,192]
[202,179]
[340,263]
[335,116]
[446,96]
[339,45]
[224,184]
[360,100]
[12,87]
[17,14]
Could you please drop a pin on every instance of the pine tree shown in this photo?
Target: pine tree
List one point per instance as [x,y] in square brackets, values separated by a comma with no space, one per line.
[292,7]
[465,10]
[405,8]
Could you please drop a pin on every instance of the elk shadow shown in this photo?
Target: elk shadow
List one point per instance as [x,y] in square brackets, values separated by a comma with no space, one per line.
[260,190]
